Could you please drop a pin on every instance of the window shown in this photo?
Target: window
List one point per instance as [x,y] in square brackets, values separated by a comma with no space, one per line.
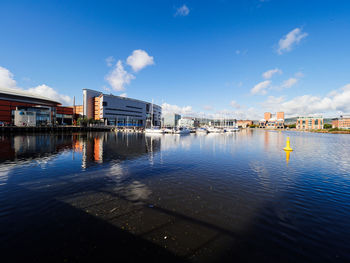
[104,103]
[134,107]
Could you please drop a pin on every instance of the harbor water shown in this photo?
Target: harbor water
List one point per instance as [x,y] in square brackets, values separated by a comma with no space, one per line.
[233,197]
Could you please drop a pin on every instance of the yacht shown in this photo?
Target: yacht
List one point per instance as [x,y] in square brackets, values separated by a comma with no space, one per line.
[201,130]
[232,129]
[214,130]
[168,130]
[182,130]
[154,130]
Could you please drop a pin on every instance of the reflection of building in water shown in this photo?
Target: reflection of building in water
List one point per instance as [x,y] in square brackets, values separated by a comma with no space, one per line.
[94,147]
[172,142]
[105,147]
[266,139]
[33,146]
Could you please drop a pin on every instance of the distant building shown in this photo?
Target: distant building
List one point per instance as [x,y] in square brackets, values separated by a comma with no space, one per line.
[119,111]
[189,122]
[170,119]
[309,123]
[272,121]
[244,123]
[343,122]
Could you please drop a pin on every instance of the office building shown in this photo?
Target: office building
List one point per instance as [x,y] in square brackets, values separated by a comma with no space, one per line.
[343,122]
[119,111]
[244,123]
[309,123]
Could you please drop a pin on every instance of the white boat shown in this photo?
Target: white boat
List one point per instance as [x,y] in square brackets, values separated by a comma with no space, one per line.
[182,130]
[168,130]
[154,130]
[232,129]
[201,130]
[214,130]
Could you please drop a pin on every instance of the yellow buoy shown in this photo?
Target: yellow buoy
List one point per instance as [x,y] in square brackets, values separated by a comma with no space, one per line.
[287,148]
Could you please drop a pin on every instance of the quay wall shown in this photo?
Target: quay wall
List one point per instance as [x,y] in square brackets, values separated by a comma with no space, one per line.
[48,129]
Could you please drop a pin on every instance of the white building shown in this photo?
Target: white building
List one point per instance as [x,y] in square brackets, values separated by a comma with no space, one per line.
[170,119]
[188,122]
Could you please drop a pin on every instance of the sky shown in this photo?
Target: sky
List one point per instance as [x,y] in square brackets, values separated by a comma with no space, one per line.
[233,59]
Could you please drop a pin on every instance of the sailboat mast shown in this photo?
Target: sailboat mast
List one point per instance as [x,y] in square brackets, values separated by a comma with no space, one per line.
[152,115]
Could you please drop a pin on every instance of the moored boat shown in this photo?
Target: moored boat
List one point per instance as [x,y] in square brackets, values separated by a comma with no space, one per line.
[182,130]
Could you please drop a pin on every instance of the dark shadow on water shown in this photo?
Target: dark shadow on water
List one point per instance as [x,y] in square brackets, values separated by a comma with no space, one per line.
[72,235]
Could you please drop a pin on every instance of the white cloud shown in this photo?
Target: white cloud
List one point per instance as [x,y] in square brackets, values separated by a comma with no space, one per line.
[289,83]
[109,61]
[286,43]
[139,59]
[46,91]
[246,114]
[182,11]
[6,79]
[123,95]
[234,104]
[261,87]
[268,74]
[335,102]
[119,77]
[7,82]
[168,108]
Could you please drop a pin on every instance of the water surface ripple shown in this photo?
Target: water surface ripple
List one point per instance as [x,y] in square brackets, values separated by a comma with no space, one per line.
[171,198]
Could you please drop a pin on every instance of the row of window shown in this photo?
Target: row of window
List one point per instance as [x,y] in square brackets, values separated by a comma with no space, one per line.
[124,110]
[129,115]
[105,104]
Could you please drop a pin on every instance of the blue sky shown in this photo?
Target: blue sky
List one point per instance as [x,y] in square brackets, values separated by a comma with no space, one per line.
[194,57]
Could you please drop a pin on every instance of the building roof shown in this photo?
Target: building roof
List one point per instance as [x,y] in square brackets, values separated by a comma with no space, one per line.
[26,94]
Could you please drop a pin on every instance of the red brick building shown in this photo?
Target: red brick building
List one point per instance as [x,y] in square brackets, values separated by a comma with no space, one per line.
[270,121]
[47,111]
[342,123]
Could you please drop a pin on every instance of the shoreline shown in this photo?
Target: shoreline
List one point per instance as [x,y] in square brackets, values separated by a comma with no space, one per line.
[328,131]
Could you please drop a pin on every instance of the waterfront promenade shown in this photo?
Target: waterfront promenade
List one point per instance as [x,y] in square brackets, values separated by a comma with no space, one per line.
[16,129]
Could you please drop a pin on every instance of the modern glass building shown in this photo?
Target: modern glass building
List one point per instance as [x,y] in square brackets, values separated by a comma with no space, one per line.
[119,111]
